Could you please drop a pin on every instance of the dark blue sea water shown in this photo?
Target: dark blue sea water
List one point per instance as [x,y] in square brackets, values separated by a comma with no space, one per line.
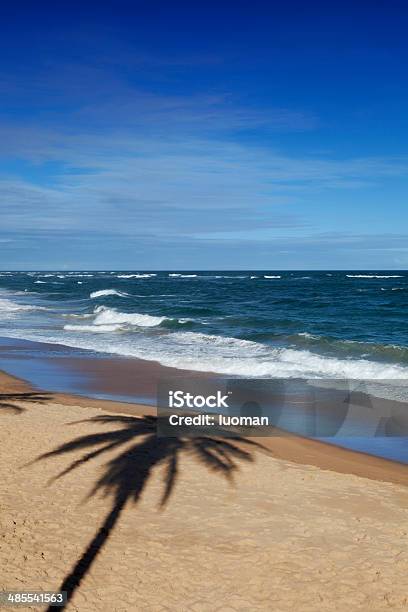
[269,324]
[263,324]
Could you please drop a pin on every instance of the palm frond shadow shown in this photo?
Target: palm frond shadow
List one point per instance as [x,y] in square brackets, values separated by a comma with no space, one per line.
[127,473]
[8,400]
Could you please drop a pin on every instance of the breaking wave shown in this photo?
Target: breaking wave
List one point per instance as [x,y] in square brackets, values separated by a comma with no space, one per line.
[110,319]
[8,308]
[135,275]
[106,292]
[374,276]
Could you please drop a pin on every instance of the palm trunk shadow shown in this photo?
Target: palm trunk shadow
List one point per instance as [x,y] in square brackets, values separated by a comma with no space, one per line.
[73,580]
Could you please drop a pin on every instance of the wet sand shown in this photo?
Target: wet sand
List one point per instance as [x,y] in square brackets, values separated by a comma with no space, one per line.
[64,369]
[142,523]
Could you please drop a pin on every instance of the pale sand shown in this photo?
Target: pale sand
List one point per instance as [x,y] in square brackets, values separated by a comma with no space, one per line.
[280,536]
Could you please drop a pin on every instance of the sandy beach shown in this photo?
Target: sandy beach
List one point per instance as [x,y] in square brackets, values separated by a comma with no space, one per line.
[139,523]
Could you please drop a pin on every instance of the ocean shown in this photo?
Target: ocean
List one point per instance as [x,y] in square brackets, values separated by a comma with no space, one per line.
[330,324]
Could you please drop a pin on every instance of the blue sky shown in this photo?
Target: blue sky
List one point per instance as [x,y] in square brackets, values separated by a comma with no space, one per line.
[203,135]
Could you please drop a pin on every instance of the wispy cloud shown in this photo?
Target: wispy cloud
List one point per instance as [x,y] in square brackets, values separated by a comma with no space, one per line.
[177,187]
[98,157]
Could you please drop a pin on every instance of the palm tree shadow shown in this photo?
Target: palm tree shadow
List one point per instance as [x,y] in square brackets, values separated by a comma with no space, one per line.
[127,473]
[8,400]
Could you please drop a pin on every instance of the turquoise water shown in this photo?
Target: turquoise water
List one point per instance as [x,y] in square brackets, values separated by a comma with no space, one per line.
[270,323]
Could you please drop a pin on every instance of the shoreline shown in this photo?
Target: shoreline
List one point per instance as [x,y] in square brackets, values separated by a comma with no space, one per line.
[74,371]
[288,447]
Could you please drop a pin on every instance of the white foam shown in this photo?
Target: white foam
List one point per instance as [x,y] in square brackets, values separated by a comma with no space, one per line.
[204,352]
[108,316]
[10,309]
[308,364]
[183,275]
[374,276]
[38,282]
[110,320]
[103,292]
[10,306]
[98,329]
[136,275]
[269,276]
[308,335]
